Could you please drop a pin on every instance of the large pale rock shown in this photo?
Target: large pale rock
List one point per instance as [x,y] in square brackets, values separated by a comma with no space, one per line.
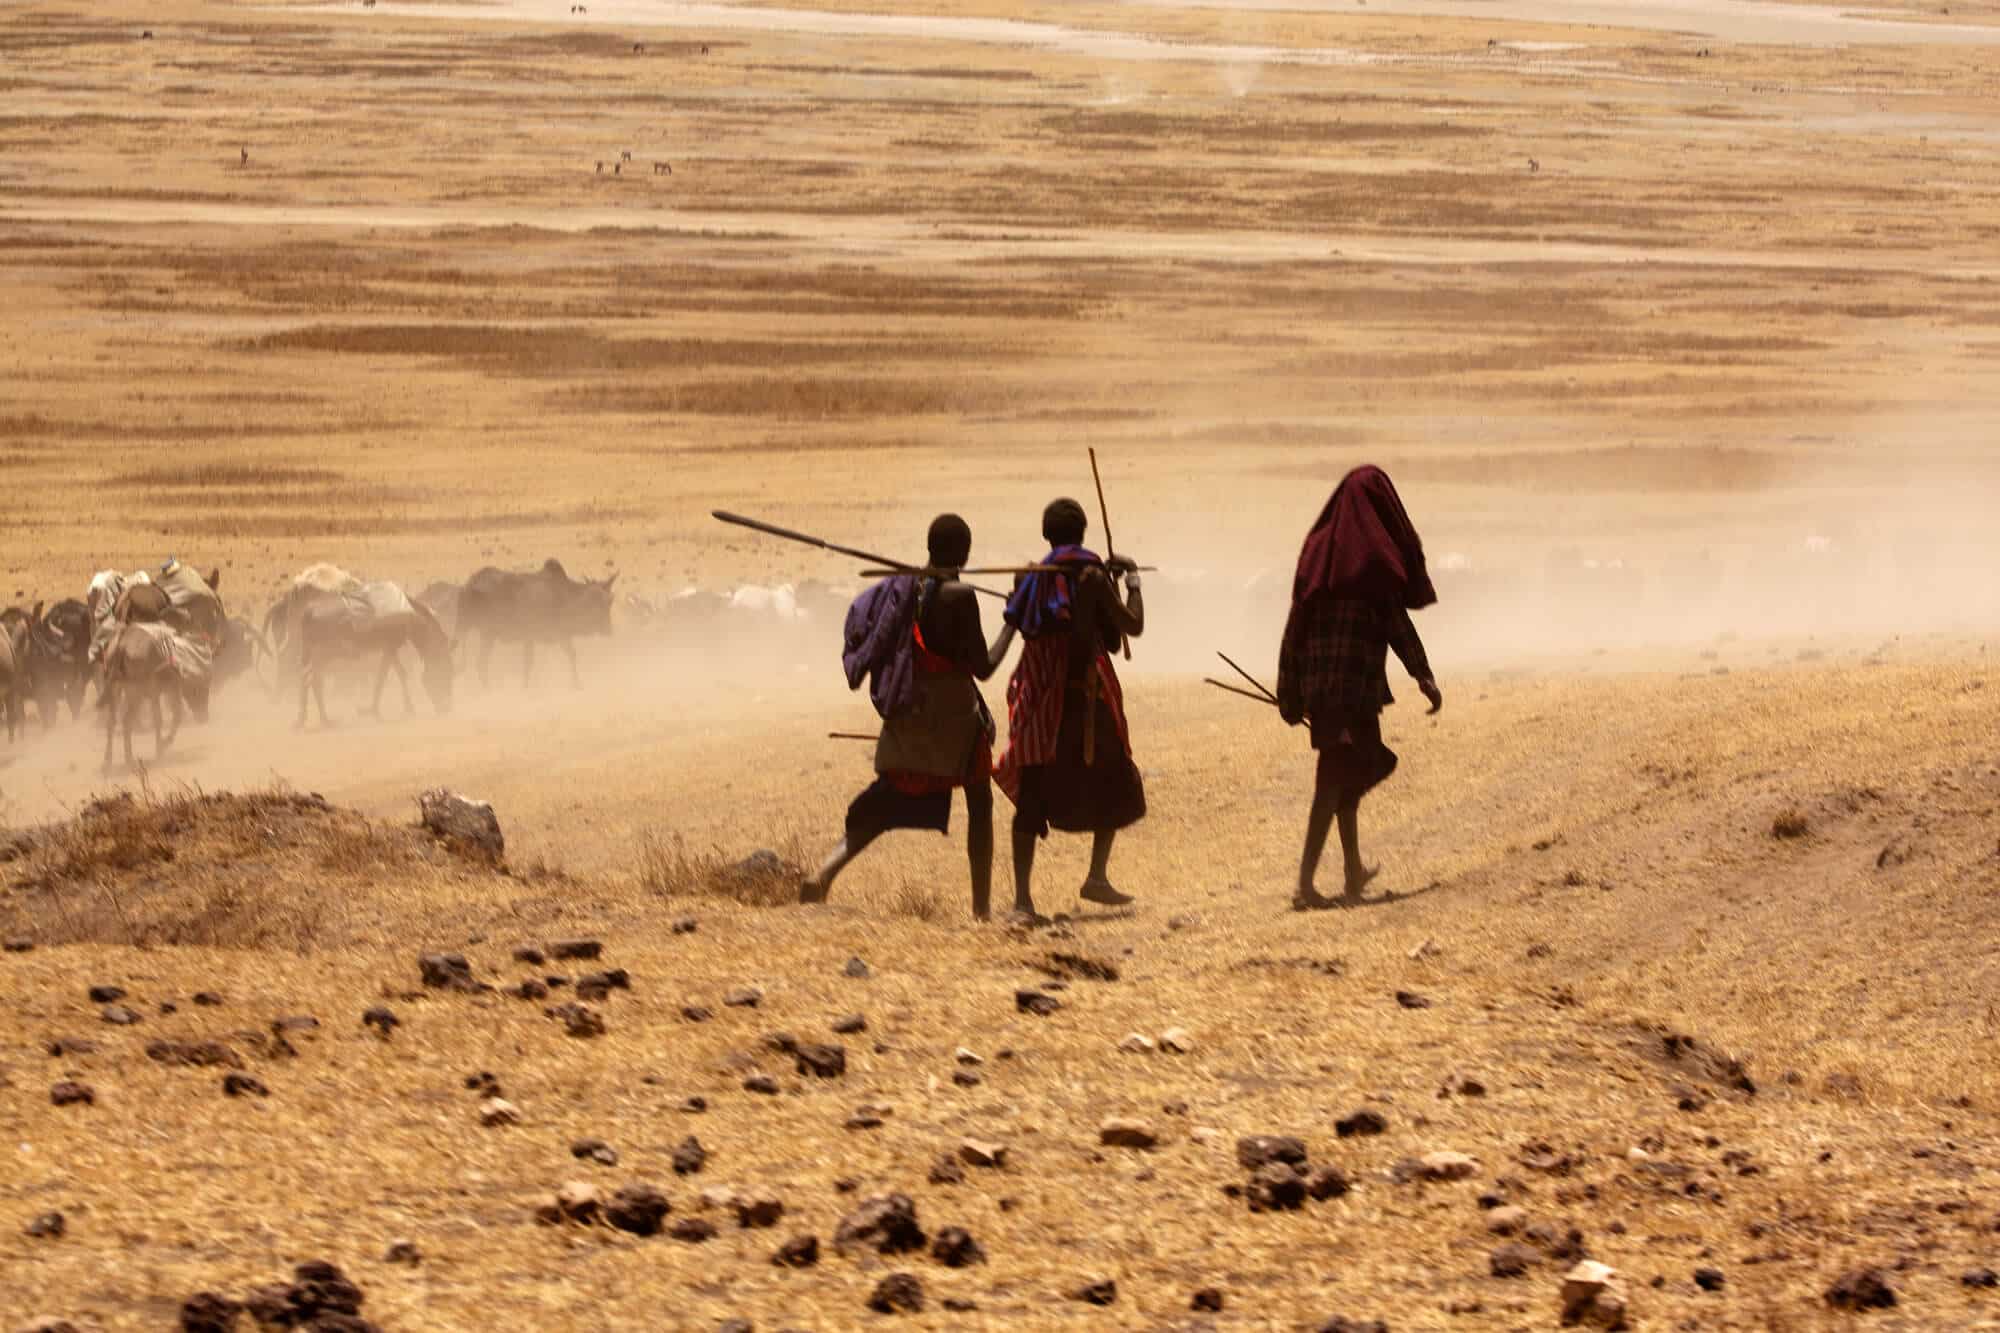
[1593,1297]
[468,826]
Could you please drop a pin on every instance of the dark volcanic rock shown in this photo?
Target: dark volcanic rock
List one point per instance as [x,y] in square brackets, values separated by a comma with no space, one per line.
[62,1046]
[947,1170]
[637,1208]
[689,1156]
[243,1085]
[530,955]
[1207,1301]
[579,1020]
[106,994]
[1709,1279]
[404,1252]
[757,1211]
[119,1016]
[693,1230]
[761,1084]
[684,925]
[954,1247]
[886,1223]
[898,1293]
[1103,1291]
[446,971]
[382,1019]
[198,1054]
[798,1252]
[208,1312]
[848,1026]
[594,1150]
[576,949]
[857,969]
[49,1226]
[1512,1260]
[1325,1182]
[69,1093]
[1862,1289]
[1262,1149]
[1981,1277]
[821,1060]
[1342,1324]
[1276,1187]
[694,1013]
[1409,999]
[1361,1124]
[1039,1003]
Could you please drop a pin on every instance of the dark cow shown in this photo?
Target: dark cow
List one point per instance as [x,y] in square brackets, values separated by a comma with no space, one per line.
[57,657]
[546,606]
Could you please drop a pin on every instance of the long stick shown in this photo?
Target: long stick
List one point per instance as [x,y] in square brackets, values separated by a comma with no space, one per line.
[991,569]
[1247,676]
[1104,519]
[850,736]
[1258,698]
[772,529]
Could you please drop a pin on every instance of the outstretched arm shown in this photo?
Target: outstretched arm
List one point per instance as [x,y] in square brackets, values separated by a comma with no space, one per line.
[1410,651]
[1127,615]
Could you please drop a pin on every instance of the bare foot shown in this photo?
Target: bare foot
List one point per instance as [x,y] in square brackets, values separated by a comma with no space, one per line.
[1026,918]
[1100,891]
[1308,900]
[812,891]
[1357,882]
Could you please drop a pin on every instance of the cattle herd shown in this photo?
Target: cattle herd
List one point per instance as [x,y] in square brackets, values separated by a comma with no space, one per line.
[159,642]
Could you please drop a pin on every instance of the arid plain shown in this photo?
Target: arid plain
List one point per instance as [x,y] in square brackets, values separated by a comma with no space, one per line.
[1677,324]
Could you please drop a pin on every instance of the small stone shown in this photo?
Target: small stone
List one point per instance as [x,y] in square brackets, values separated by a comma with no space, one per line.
[1862,1289]
[18,946]
[1123,1132]
[497,1111]
[530,955]
[1039,1003]
[848,1026]
[1276,1187]
[959,1305]
[208,1312]
[49,1226]
[886,1223]
[579,1020]
[1471,1087]
[119,1016]
[821,1060]
[576,949]
[689,1157]
[1512,1260]
[594,1150]
[798,1252]
[1362,1124]
[693,1230]
[866,1117]
[1409,999]
[529,989]
[857,969]
[947,1171]
[966,1057]
[381,1018]
[446,971]
[1593,1297]
[978,1152]
[1980,1277]
[1102,1291]
[954,1247]
[1709,1279]
[743,997]
[1258,1150]
[404,1252]
[1207,1301]
[761,1084]
[898,1293]
[694,1013]
[1325,1182]
[1177,1041]
[243,1085]
[757,1211]
[637,1208]
[684,925]
[68,1093]
[1342,1324]
[784,1043]
[63,1046]
[694,1106]
[196,1054]
[597,986]
[1507,1220]
[1136,1043]
[966,1078]
[106,994]
[1448,1166]
[579,1201]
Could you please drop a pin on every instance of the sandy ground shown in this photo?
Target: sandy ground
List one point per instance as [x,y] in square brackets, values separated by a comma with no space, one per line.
[1676,325]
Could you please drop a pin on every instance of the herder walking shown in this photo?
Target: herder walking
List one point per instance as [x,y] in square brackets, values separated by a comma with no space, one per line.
[1068,763]
[1360,575]
[919,637]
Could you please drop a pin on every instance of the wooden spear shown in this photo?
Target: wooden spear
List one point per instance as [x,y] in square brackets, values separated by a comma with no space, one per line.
[772,529]
[1104,519]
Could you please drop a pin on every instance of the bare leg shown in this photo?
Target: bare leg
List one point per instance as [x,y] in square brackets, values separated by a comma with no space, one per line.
[815,889]
[1024,872]
[319,697]
[979,846]
[1358,874]
[403,679]
[381,679]
[1318,824]
[176,716]
[1097,886]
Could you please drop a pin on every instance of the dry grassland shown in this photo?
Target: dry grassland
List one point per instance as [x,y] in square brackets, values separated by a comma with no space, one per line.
[1679,336]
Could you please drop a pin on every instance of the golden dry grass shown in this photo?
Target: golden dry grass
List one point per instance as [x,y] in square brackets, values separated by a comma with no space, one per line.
[1691,415]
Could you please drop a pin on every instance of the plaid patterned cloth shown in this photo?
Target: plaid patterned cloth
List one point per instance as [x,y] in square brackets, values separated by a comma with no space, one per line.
[1036,697]
[1334,660]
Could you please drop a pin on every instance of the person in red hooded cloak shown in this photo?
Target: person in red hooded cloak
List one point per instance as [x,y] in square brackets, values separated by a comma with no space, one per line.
[1361,573]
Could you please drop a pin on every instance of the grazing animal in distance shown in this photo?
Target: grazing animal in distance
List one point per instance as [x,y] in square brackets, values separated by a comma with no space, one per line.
[600,168]
[545,606]
[246,158]
[381,619]
[146,36]
[663,169]
[617,168]
[145,664]
[638,48]
[625,155]
[1534,165]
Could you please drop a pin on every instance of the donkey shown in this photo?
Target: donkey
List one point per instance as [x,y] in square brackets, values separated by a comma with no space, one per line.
[144,663]
[328,631]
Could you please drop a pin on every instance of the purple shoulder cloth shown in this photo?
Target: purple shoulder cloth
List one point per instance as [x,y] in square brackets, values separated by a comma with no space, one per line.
[878,643]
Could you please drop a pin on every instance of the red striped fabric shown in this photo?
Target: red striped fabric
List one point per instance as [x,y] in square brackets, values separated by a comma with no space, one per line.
[1035,708]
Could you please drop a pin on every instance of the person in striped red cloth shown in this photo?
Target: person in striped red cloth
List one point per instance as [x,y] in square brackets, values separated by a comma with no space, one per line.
[1360,575]
[1068,763]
